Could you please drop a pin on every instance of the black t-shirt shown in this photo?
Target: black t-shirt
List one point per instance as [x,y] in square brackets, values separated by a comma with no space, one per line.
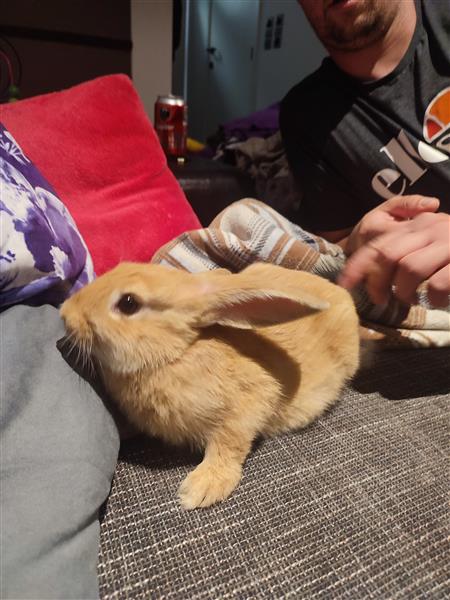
[352,145]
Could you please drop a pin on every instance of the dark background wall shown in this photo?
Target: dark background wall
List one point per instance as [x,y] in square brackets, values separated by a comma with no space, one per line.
[60,43]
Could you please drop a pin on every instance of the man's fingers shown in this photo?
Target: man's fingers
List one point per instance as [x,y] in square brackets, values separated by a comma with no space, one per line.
[379,282]
[417,267]
[369,266]
[376,262]
[438,289]
[406,207]
[415,251]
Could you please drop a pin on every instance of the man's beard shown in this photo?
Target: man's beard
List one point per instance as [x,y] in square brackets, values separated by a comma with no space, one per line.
[368,27]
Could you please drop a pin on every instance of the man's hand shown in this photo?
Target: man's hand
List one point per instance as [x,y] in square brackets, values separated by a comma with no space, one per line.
[386,217]
[402,246]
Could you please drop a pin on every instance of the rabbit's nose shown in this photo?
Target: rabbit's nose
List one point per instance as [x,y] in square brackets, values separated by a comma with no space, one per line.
[68,323]
[75,323]
[64,320]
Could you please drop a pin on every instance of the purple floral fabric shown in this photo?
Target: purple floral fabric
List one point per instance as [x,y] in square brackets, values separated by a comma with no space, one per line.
[43,258]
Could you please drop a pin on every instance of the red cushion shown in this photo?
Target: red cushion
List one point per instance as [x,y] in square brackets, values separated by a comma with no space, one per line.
[96,146]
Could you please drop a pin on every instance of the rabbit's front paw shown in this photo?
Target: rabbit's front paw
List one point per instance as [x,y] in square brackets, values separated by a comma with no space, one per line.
[208,484]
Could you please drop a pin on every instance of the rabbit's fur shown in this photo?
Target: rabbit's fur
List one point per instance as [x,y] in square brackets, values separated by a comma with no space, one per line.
[216,359]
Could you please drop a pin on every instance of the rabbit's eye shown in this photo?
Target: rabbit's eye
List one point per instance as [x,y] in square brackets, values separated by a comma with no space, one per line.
[128,304]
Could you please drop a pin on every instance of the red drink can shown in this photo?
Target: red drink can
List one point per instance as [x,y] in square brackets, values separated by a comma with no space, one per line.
[171,124]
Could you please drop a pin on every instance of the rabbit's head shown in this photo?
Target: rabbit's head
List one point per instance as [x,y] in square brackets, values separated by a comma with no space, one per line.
[143,316]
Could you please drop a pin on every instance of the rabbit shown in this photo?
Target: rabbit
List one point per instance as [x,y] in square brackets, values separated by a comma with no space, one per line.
[216,359]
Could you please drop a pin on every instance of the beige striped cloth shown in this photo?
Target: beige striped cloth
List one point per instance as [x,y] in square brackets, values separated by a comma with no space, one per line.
[249,231]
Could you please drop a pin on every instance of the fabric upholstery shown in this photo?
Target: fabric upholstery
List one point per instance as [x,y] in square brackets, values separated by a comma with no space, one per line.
[96,146]
[354,507]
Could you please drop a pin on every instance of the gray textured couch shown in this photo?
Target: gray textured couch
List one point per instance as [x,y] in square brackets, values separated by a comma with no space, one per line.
[356,506]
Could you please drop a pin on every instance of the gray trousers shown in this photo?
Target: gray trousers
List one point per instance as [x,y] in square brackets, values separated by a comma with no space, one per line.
[59,447]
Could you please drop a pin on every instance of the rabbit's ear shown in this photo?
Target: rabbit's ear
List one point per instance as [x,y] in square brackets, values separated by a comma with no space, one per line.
[245,309]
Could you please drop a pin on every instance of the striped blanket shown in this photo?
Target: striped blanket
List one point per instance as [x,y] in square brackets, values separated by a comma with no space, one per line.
[249,231]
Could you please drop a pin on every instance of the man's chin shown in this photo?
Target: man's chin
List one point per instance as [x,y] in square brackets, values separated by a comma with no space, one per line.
[355,35]
[351,44]
[356,24]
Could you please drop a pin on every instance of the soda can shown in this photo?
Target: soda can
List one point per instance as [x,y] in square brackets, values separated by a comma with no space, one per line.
[171,124]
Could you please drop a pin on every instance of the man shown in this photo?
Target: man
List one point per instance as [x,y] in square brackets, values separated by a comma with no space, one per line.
[368,139]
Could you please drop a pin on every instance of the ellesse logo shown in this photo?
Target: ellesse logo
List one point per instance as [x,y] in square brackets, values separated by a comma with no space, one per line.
[436,124]
[412,163]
